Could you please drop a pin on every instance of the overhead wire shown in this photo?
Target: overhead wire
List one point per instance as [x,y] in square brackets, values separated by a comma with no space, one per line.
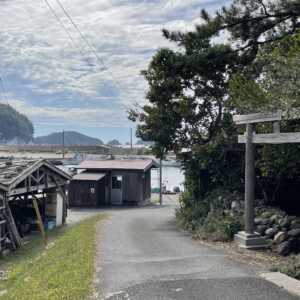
[87,43]
[64,27]
[83,52]
[92,48]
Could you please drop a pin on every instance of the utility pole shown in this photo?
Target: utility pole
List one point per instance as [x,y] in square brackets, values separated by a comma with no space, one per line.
[131,145]
[63,144]
[160,182]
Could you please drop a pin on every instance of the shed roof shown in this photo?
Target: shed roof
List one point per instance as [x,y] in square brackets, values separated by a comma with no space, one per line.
[15,170]
[89,176]
[122,164]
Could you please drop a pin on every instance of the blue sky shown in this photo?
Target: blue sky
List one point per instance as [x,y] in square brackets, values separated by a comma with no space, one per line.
[59,84]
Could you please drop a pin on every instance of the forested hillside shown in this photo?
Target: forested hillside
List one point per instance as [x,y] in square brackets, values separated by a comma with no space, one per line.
[14,126]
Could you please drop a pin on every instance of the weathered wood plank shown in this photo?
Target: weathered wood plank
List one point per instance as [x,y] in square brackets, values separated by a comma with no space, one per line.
[34,167]
[273,138]
[12,229]
[257,118]
[39,219]
[19,191]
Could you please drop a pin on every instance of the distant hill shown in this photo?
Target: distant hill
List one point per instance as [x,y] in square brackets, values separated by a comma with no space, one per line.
[14,127]
[71,138]
[114,143]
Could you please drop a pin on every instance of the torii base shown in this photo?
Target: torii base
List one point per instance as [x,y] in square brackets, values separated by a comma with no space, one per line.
[250,241]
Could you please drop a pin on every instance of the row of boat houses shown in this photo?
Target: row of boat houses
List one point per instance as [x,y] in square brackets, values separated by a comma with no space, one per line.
[35,195]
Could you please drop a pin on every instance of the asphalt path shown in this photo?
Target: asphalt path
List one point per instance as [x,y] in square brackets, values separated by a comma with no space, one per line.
[143,256]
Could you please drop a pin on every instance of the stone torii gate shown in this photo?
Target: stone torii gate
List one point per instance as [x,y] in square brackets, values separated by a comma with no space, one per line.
[249,238]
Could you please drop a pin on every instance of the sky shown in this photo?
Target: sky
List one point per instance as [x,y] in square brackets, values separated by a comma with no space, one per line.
[60,83]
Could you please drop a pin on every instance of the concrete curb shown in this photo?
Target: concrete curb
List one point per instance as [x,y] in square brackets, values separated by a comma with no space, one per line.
[286,282]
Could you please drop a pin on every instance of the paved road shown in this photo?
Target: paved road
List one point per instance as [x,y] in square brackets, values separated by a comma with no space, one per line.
[144,257]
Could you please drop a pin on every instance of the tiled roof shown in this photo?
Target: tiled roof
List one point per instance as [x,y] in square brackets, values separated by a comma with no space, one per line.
[122,164]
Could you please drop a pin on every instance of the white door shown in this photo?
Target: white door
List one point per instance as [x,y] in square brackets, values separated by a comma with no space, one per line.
[116,190]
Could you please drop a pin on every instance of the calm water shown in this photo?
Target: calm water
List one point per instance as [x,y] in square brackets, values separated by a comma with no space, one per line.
[172,176]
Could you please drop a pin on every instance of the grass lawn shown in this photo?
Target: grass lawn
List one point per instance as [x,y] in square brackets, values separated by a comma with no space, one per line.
[62,270]
[155,199]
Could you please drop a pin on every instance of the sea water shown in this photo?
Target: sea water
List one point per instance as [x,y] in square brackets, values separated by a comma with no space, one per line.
[171,177]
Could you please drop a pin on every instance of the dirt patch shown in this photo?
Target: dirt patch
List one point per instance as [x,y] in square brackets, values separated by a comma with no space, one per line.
[262,258]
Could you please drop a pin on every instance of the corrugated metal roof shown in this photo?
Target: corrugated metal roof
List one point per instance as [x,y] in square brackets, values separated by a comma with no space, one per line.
[122,164]
[89,176]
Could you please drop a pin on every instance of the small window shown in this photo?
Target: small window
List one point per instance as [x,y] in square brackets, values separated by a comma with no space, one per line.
[117,182]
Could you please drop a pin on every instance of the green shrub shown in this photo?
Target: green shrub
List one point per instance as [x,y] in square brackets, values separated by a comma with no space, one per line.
[191,214]
[219,226]
[210,218]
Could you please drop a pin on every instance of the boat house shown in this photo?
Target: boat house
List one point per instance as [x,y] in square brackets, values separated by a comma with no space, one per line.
[32,197]
[112,182]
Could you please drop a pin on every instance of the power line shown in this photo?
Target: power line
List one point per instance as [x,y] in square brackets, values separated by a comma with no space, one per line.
[92,48]
[86,41]
[63,26]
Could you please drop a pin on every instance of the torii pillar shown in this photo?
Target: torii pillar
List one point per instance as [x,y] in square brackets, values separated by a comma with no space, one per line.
[249,180]
[248,238]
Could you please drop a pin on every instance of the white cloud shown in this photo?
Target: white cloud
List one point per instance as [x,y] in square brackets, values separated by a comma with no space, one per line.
[83,116]
[37,55]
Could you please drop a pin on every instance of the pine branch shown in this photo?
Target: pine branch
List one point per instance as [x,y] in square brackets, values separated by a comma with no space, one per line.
[264,7]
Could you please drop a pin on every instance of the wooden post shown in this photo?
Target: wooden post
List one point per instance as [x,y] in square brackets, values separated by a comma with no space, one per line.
[39,218]
[276,127]
[63,144]
[12,228]
[160,182]
[131,143]
[249,181]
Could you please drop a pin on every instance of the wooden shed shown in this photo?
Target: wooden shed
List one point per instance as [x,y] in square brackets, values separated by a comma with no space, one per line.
[32,196]
[87,189]
[112,182]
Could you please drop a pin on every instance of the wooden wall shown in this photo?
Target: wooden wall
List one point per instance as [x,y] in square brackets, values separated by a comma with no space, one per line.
[136,189]
[147,186]
[131,186]
[136,186]
[87,193]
